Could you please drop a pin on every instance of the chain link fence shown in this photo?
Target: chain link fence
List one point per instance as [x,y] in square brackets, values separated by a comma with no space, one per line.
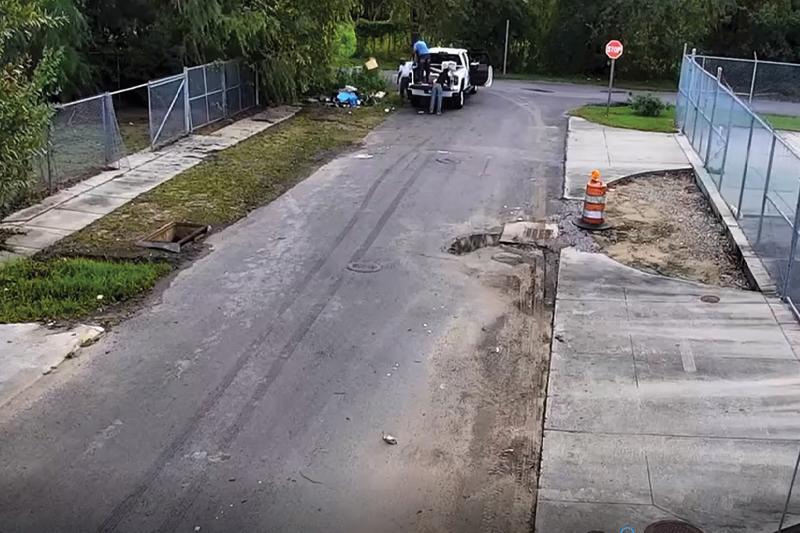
[755,170]
[84,136]
[755,79]
[219,90]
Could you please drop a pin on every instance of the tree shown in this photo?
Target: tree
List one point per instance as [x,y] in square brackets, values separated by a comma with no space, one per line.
[25,83]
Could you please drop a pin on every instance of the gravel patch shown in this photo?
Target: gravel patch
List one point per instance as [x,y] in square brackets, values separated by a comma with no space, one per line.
[662,223]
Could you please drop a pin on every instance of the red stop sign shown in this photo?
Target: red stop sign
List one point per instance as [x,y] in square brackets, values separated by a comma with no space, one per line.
[614,49]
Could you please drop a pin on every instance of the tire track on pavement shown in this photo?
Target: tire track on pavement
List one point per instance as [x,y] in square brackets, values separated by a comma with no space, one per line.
[178,513]
[123,509]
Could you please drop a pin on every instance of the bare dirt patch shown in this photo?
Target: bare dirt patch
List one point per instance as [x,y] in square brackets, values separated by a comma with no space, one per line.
[663,224]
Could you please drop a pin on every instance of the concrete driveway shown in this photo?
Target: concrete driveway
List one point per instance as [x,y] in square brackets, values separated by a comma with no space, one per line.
[252,392]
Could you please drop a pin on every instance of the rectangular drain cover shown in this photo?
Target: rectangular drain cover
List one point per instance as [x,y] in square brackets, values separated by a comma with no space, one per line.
[528,232]
[173,236]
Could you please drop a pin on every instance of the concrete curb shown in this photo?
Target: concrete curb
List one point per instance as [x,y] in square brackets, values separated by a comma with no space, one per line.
[755,271]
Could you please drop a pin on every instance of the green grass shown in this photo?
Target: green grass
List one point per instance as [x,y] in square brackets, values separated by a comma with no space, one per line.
[61,289]
[631,85]
[623,117]
[134,126]
[227,186]
[783,122]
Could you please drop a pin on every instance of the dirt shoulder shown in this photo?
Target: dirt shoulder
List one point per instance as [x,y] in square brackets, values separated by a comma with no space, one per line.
[663,224]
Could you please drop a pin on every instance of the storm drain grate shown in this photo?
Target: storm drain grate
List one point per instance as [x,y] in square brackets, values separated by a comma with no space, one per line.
[174,236]
[536,90]
[671,526]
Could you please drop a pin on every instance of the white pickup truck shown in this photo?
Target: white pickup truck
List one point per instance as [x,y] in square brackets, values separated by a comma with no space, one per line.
[472,70]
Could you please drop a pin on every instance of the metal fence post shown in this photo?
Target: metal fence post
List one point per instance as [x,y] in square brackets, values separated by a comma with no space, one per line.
[187,110]
[49,156]
[727,142]
[697,108]
[792,250]
[746,163]
[766,188]
[713,112]
[689,89]
[205,91]
[753,81]
[225,89]
[150,114]
[106,126]
[255,75]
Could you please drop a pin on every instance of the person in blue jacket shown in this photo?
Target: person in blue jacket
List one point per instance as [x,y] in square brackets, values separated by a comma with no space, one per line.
[422,57]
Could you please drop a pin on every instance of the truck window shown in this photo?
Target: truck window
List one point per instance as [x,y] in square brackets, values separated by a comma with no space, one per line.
[439,58]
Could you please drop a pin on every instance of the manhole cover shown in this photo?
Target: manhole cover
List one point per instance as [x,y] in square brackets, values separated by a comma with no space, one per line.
[671,526]
[710,299]
[535,90]
[364,267]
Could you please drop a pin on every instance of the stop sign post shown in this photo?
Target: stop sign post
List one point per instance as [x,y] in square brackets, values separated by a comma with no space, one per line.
[614,51]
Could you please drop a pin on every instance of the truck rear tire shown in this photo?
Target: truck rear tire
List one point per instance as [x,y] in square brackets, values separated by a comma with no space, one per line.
[459,100]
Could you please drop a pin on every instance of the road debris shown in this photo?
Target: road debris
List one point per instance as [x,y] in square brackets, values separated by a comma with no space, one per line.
[388,439]
[314,481]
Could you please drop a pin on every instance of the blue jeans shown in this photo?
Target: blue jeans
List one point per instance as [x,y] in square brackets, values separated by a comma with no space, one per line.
[437,95]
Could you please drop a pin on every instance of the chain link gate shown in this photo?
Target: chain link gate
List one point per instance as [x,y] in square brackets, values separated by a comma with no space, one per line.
[168,105]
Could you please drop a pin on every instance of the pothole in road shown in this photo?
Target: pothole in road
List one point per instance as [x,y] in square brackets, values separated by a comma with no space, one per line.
[474,242]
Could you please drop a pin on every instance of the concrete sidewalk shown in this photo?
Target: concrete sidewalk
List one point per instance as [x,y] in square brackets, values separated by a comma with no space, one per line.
[616,153]
[662,406]
[73,209]
[28,351]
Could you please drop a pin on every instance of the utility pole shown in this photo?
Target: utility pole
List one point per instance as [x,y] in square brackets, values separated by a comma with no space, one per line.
[505,53]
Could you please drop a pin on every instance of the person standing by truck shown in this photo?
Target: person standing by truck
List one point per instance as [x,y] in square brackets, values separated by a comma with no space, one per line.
[441,83]
[422,57]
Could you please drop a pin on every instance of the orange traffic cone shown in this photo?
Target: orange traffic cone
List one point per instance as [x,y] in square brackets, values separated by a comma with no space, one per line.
[594,205]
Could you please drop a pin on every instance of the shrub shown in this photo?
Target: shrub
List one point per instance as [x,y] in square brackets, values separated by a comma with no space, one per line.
[647,105]
[366,81]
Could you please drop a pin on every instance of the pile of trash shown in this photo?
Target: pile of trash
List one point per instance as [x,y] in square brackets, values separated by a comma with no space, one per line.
[349,97]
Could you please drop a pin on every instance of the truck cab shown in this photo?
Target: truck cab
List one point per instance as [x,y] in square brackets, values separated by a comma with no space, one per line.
[472,70]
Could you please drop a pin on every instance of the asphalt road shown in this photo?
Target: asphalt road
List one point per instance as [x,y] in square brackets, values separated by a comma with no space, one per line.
[251,393]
